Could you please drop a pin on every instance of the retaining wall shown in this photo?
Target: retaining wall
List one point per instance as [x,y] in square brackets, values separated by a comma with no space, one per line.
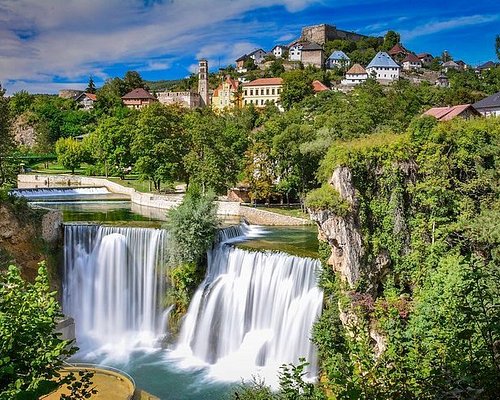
[262,217]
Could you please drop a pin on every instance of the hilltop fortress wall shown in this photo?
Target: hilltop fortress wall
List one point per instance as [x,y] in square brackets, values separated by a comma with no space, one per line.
[322,33]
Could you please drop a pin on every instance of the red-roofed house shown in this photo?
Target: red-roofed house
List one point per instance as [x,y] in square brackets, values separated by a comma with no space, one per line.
[138,98]
[226,95]
[319,86]
[465,111]
[411,62]
[398,51]
[426,58]
[86,101]
[262,91]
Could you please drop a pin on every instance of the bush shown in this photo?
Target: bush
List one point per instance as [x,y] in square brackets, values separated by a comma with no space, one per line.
[327,198]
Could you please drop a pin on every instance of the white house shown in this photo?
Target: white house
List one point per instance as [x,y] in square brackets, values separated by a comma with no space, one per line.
[490,106]
[295,51]
[383,68]
[338,59]
[279,50]
[356,75]
[262,91]
[86,101]
[257,56]
[411,62]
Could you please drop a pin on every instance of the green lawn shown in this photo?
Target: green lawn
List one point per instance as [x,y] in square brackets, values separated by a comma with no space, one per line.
[284,210]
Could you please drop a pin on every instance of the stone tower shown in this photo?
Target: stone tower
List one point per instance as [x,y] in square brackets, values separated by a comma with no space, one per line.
[203,82]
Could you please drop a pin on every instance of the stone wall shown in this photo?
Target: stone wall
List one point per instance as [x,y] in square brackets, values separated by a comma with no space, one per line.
[322,33]
[262,217]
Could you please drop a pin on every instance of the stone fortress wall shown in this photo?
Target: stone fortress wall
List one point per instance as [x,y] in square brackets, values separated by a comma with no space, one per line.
[322,33]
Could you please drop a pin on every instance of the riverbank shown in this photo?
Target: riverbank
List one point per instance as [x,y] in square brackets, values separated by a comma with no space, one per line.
[158,201]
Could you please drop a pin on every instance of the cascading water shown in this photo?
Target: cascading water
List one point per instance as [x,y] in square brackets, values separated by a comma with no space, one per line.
[59,192]
[253,313]
[114,286]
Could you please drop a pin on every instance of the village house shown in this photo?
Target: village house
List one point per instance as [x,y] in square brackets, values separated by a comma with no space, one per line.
[319,86]
[261,91]
[226,95]
[411,62]
[338,59]
[398,52]
[295,51]
[138,98]
[185,99]
[240,63]
[279,51]
[485,66]
[312,54]
[489,106]
[448,65]
[442,81]
[383,68]
[465,111]
[86,101]
[425,58]
[257,56]
[356,75]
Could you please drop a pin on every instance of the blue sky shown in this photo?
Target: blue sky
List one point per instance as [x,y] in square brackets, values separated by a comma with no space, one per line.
[46,45]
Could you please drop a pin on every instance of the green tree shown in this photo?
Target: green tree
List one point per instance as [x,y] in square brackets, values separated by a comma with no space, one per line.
[159,144]
[391,39]
[7,167]
[109,95]
[31,352]
[133,80]
[91,86]
[297,85]
[70,153]
[20,102]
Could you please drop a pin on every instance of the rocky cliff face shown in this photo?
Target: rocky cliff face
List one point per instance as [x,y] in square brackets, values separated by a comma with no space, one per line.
[28,237]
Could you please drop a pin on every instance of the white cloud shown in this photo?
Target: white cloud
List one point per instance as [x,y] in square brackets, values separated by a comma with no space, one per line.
[438,26]
[72,38]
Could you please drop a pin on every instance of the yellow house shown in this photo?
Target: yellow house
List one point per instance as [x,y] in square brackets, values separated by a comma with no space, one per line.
[226,95]
[262,91]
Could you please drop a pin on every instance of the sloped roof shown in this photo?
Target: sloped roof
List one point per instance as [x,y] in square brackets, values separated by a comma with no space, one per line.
[492,101]
[398,48]
[487,64]
[232,82]
[319,86]
[264,82]
[338,55]
[256,51]
[423,55]
[410,57]
[242,58]
[447,113]
[311,46]
[450,63]
[91,96]
[382,59]
[279,45]
[356,69]
[139,93]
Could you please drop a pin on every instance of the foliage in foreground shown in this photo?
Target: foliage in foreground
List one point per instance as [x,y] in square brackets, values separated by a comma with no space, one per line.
[31,353]
[292,386]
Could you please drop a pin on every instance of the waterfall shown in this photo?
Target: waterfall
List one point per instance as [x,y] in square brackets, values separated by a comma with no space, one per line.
[114,284]
[59,192]
[253,312]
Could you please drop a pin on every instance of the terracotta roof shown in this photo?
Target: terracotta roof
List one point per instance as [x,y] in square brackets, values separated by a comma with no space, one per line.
[319,86]
[139,93]
[447,113]
[356,69]
[91,96]
[411,58]
[397,49]
[264,82]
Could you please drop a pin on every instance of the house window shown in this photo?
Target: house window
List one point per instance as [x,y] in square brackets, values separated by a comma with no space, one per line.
[251,92]
[272,91]
[245,102]
[267,92]
[279,90]
[261,102]
[262,92]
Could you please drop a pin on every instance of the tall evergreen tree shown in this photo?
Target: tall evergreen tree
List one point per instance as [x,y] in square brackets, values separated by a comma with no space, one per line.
[91,86]
[6,140]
